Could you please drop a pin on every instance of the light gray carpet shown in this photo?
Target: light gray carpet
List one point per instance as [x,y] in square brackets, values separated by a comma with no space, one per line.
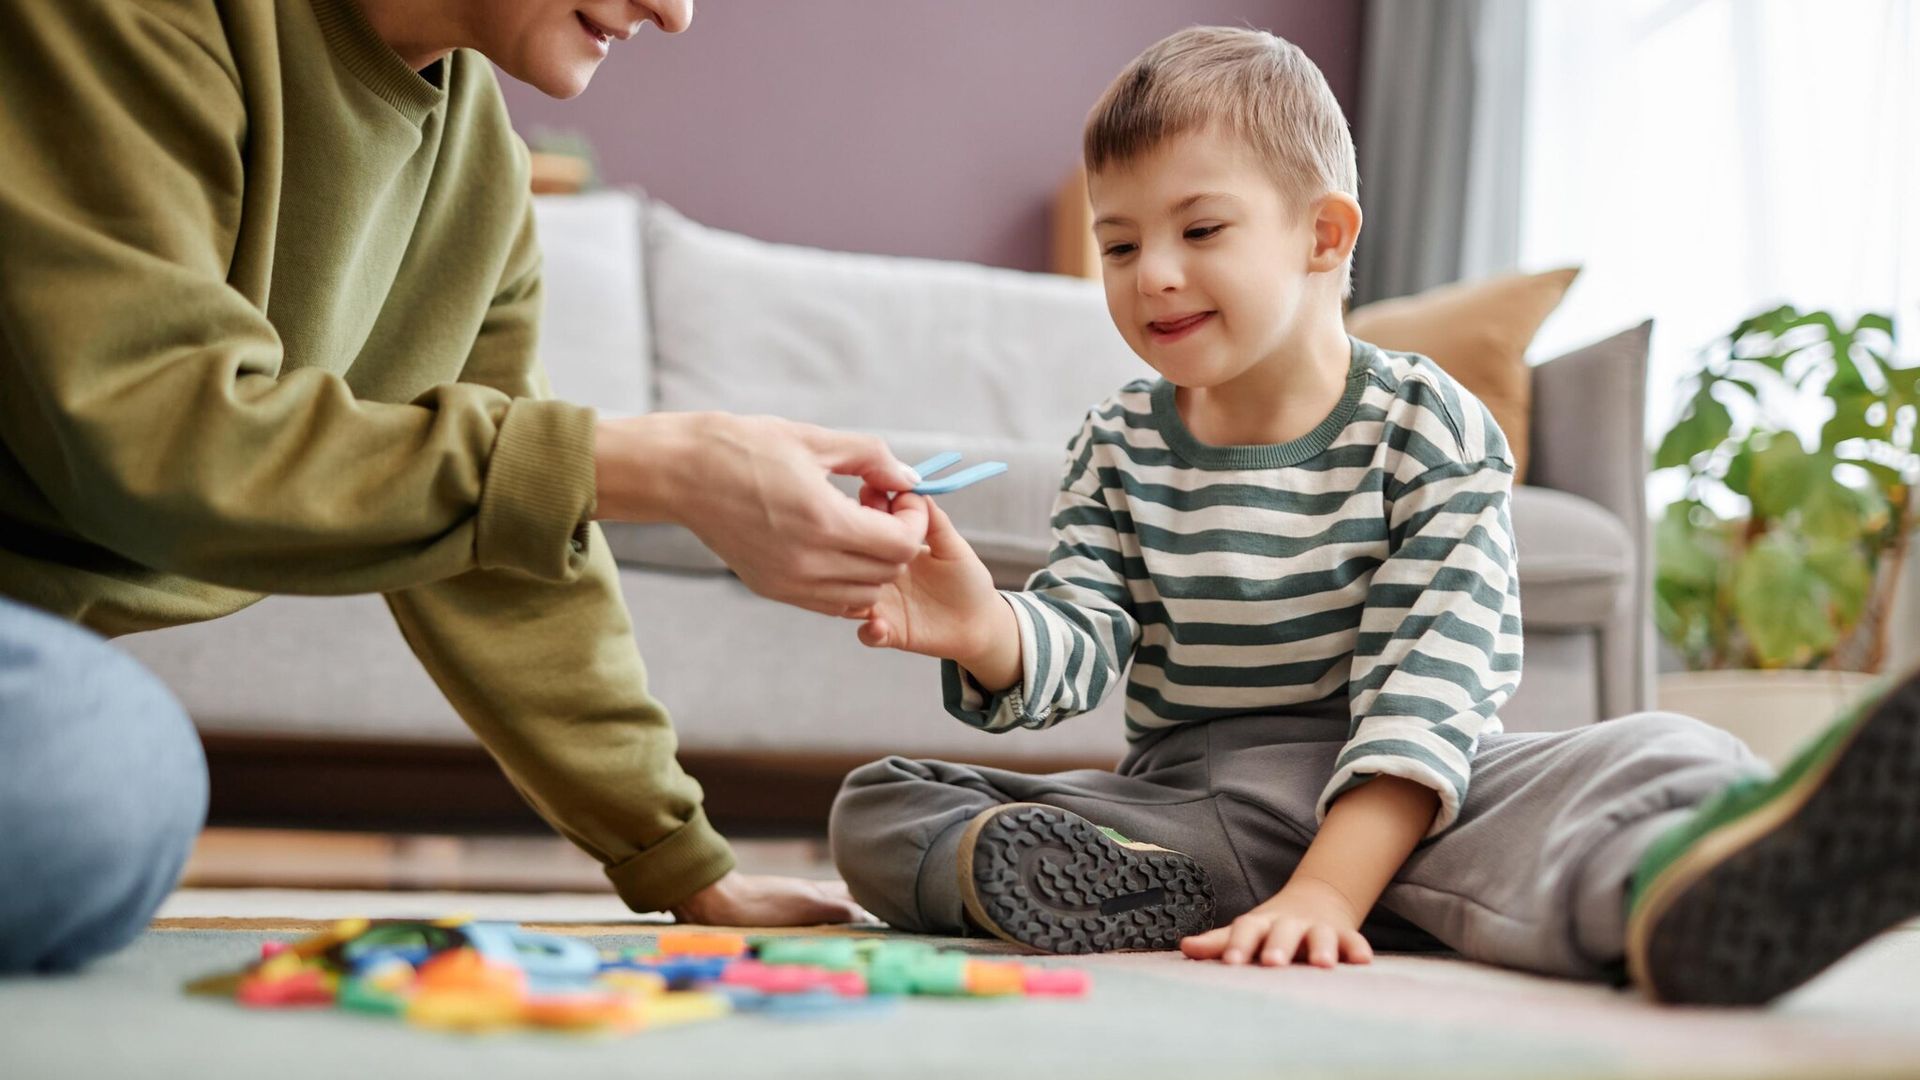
[1150,1016]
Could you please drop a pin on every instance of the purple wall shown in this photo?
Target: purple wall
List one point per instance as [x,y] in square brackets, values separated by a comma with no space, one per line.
[911,127]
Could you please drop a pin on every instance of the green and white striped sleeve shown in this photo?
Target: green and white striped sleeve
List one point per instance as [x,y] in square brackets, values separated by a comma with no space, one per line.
[1077,627]
[1439,650]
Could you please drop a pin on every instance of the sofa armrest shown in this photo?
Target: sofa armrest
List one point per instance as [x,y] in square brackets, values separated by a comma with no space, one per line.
[1589,439]
[1589,424]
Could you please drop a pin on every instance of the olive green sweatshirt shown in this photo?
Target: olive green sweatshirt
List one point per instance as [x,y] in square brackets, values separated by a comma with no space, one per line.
[268,303]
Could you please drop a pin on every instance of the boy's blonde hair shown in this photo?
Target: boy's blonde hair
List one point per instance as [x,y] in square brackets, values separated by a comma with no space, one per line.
[1257,86]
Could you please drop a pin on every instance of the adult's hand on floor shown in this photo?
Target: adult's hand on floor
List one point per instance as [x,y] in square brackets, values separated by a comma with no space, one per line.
[753,900]
[754,489]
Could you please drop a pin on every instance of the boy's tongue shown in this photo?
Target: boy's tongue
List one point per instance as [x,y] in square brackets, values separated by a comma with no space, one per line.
[1167,326]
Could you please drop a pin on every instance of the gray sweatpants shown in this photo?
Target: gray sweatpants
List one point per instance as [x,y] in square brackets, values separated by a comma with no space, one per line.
[1533,875]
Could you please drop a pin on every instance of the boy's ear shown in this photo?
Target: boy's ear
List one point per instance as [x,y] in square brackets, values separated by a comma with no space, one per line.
[1336,226]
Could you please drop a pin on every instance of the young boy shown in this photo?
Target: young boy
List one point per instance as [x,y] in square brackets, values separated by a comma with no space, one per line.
[1302,544]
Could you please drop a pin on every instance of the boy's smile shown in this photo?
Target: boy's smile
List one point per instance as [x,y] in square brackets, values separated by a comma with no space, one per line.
[1175,328]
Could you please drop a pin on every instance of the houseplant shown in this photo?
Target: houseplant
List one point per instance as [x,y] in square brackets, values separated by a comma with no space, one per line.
[1797,446]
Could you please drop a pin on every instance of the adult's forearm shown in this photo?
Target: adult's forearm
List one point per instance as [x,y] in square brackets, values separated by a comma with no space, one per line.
[638,462]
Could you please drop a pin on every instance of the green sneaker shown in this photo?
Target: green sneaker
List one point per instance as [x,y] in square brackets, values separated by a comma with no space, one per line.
[1771,881]
[1051,880]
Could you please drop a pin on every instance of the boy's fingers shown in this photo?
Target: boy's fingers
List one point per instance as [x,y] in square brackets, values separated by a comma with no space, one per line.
[875,633]
[1283,944]
[904,528]
[1356,947]
[893,538]
[942,537]
[1243,938]
[1204,946]
[1323,946]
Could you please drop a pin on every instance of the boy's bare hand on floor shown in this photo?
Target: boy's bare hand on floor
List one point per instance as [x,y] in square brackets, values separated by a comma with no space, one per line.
[754,900]
[1308,920]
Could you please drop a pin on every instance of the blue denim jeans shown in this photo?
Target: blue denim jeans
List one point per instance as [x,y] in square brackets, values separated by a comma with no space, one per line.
[103,788]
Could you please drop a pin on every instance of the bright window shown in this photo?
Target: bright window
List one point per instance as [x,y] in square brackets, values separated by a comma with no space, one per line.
[1707,158]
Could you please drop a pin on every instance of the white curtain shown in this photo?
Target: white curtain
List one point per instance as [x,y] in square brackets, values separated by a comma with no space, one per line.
[1705,159]
[1442,101]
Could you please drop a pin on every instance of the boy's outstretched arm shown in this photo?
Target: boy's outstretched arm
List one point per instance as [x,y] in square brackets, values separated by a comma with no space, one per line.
[1367,834]
[945,605]
[1027,658]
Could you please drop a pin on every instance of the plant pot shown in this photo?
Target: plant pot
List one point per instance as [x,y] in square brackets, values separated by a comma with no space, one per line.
[1773,712]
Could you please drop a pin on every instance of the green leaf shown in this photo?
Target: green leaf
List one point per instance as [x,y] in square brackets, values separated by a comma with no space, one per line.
[1903,385]
[1832,510]
[1851,420]
[1815,318]
[1740,468]
[1778,600]
[1847,382]
[1685,619]
[1687,557]
[1849,578]
[1872,321]
[1884,475]
[1704,427]
[1783,476]
[1771,323]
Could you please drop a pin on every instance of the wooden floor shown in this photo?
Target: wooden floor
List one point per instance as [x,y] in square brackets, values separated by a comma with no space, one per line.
[227,858]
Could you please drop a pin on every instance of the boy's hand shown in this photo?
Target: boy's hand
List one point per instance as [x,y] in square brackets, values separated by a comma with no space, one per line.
[944,604]
[1308,920]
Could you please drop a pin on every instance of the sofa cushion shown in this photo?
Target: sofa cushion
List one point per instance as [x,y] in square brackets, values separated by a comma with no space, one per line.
[593,325]
[1576,560]
[870,341]
[1478,332]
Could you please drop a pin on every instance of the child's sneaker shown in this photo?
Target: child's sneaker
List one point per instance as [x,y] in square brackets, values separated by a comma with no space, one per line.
[1772,881]
[1049,879]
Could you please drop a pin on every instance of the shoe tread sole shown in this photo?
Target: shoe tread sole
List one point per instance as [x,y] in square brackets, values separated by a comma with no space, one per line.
[1048,879]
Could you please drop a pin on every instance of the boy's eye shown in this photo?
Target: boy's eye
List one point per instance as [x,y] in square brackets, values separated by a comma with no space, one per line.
[1115,251]
[1201,232]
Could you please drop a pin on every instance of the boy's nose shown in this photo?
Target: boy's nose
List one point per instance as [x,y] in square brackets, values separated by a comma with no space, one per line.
[1158,274]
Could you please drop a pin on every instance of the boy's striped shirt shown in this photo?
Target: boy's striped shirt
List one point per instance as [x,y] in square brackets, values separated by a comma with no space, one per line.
[1368,564]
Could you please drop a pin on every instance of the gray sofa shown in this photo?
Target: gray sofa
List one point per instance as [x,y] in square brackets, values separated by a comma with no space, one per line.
[646,310]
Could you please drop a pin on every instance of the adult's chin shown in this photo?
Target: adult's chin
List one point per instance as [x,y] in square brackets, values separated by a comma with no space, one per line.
[560,80]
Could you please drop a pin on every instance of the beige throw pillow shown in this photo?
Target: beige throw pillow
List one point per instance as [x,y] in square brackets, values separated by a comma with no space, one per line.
[1478,332]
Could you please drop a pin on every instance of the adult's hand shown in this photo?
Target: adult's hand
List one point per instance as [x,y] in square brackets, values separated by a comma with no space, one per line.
[754,489]
[745,900]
